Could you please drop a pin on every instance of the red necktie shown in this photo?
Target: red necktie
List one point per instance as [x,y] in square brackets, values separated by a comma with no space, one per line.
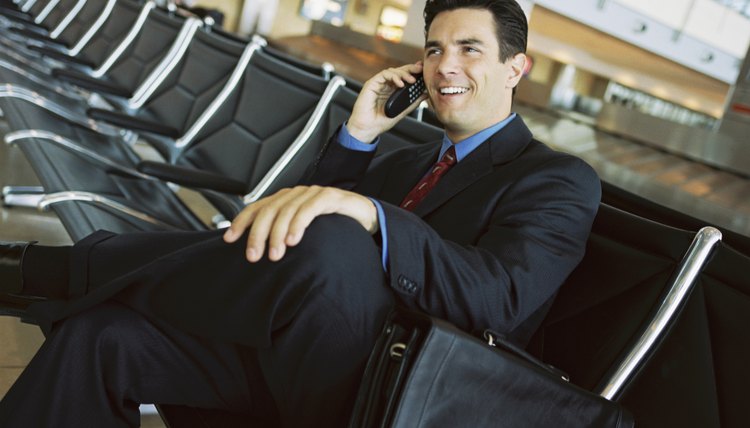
[429,181]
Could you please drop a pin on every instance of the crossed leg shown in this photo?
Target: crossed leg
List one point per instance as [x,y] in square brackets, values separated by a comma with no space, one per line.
[304,325]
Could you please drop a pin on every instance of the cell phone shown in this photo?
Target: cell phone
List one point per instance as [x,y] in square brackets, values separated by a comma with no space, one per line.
[404,97]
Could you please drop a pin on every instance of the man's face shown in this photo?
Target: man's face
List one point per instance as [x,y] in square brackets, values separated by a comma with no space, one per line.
[469,87]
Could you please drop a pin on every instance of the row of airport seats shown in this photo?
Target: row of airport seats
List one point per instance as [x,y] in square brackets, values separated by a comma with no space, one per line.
[226,116]
[643,319]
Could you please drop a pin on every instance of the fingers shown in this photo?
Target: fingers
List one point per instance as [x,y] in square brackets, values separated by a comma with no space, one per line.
[280,220]
[401,76]
[368,119]
[271,221]
[285,228]
[241,223]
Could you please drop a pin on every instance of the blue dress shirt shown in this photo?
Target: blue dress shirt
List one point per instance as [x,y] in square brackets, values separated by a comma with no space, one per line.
[463,148]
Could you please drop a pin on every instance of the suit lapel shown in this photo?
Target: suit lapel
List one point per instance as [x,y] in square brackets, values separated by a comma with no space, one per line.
[407,171]
[500,148]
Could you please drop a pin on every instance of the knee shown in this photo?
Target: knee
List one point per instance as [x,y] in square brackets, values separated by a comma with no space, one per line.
[334,241]
[102,328]
[347,263]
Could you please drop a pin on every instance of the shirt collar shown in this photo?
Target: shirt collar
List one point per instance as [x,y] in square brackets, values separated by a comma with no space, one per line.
[466,146]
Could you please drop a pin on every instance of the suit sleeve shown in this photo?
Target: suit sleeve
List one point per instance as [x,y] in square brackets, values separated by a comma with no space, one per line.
[535,237]
[338,166]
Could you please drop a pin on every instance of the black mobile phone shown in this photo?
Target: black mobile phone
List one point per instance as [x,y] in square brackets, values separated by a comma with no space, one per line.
[404,97]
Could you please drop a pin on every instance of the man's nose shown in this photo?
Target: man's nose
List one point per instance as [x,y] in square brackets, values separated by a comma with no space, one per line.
[449,64]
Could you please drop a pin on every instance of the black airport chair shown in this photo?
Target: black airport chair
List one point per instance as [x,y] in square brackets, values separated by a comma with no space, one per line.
[620,307]
[241,137]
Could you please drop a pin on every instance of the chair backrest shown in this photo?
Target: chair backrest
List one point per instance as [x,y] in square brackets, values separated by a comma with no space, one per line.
[117,35]
[50,13]
[257,123]
[113,31]
[288,172]
[61,15]
[193,84]
[613,299]
[35,8]
[147,50]
[699,375]
[82,22]
[630,202]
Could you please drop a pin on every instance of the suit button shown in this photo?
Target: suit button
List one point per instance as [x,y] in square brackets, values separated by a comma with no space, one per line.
[407,285]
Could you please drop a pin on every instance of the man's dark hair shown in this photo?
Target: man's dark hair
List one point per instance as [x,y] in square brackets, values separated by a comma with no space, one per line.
[510,21]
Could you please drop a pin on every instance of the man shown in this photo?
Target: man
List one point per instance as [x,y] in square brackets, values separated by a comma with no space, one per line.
[183,318]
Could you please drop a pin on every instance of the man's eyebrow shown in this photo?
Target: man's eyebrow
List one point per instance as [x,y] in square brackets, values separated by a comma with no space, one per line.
[461,42]
[464,42]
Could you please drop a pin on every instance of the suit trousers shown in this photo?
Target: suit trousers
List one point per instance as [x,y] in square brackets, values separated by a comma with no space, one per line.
[183,318]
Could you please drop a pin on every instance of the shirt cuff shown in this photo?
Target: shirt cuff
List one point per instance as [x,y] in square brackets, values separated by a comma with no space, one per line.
[383,233]
[346,140]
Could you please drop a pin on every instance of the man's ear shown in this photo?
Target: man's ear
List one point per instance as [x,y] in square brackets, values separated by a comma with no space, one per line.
[517,66]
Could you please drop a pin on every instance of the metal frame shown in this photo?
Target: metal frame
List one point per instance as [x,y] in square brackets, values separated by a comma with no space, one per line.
[10,190]
[682,283]
[28,5]
[38,66]
[167,64]
[22,196]
[327,69]
[419,111]
[281,164]
[46,11]
[19,42]
[117,52]
[69,145]
[11,91]
[39,81]
[51,199]
[84,40]
[17,137]
[228,88]
[67,20]
[26,200]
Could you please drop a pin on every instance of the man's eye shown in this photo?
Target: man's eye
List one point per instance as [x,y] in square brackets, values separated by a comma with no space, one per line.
[470,49]
[432,52]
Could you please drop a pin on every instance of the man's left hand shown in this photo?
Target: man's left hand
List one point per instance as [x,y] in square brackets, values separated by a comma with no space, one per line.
[282,218]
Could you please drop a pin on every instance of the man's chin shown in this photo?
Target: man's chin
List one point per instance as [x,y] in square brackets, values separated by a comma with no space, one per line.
[448,119]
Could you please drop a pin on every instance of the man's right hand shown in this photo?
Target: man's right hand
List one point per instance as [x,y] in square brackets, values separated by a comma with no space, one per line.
[368,119]
[279,221]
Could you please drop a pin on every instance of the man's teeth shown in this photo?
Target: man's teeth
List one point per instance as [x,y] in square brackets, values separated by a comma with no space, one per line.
[453,90]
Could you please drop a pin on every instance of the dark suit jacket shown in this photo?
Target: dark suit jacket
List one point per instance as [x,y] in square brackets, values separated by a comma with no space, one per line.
[492,243]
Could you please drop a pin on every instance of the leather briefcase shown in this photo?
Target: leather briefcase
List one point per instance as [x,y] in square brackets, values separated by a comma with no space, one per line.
[425,372]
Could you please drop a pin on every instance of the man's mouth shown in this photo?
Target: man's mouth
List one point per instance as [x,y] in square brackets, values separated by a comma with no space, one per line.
[453,90]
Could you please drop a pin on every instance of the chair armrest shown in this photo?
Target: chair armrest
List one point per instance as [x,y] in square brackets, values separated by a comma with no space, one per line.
[131,122]
[91,83]
[60,56]
[16,15]
[190,177]
[35,34]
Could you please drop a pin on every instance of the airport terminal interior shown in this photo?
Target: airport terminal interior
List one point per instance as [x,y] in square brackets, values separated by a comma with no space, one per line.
[654,95]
